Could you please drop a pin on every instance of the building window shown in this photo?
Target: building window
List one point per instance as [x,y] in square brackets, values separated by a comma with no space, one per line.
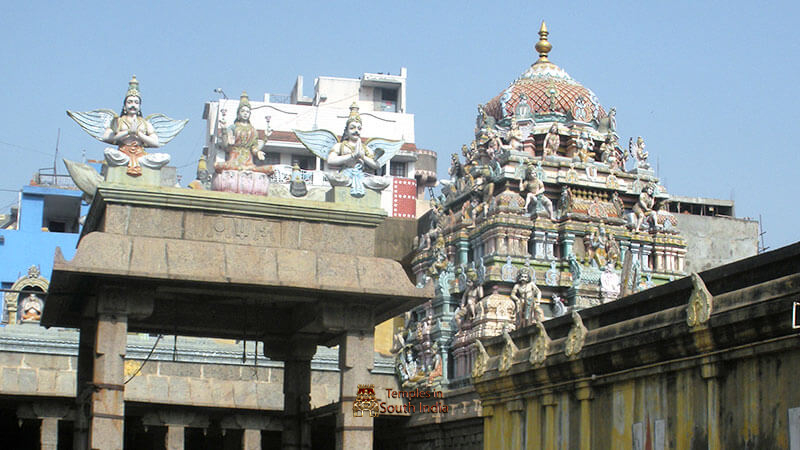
[305,162]
[397,169]
[272,158]
[386,99]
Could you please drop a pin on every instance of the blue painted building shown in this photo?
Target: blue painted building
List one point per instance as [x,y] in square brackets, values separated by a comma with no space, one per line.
[47,216]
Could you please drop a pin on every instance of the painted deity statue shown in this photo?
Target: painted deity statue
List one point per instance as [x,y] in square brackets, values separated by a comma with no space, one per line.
[240,142]
[130,132]
[609,153]
[533,188]
[472,294]
[551,142]
[353,162]
[639,153]
[514,138]
[584,147]
[32,307]
[643,209]
[526,296]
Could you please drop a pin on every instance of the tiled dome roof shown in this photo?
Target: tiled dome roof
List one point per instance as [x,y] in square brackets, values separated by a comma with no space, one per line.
[547,89]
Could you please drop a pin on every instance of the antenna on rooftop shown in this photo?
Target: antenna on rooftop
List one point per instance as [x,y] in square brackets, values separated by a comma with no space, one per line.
[761,247]
[55,158]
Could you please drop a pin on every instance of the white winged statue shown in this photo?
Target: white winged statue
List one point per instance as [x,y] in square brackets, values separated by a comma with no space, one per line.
[131,132]
[352,161]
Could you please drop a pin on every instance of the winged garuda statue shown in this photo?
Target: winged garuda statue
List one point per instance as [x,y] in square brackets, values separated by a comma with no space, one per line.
[131,132]
[352,161]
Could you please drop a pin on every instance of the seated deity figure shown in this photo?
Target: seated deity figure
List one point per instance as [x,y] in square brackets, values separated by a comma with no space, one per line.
[130,132]
[609,153]
[526,296]
[240,142]
[32,308]
[352,161]
[643,209]
[533,188]
[551,142]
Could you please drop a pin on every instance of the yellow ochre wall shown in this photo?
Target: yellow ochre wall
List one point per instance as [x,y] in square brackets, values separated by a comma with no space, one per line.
[748,399]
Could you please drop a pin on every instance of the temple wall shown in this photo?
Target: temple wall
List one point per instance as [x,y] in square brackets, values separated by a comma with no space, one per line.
[670,410]
[208,373]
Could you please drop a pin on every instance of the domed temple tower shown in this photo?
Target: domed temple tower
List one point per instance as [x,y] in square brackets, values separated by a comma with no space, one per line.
[543,212]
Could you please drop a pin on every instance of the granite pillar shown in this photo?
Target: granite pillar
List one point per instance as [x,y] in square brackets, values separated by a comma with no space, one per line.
[175,437]
[296,353]
[251,440]
[107,424]
[48,433]
[80,437]
[356,357]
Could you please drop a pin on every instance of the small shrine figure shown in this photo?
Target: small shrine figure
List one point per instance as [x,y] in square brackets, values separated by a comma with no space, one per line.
[352,162]
[31,308]
[439,259]
[595,245]
[526,296]
[609,153]
[131,132]
[612,250]
[484,124]
[203,180]
[616,201]
[514,138]
[436,371]
[565,201]
[492,149]
[297,184]
[534,189]
[584,147]
[472,294]
[639,153]
[580,111]
[552,141]
[643,209]
[484,188]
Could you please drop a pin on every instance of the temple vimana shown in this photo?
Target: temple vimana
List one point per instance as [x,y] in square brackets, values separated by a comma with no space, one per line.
[545,212]
[303,291]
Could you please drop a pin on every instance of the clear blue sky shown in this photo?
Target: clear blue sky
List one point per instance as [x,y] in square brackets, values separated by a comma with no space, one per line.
[711,86]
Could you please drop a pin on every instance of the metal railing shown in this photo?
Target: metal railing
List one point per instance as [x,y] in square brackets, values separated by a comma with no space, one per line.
[47,177]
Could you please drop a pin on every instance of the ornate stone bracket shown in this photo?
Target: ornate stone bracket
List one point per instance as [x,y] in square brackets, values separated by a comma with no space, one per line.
[509,350]
[698,311]
[540,345]
[576,337]
[481,360]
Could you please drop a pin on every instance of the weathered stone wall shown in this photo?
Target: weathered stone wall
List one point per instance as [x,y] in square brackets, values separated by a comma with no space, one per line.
[208,373]
[714,241]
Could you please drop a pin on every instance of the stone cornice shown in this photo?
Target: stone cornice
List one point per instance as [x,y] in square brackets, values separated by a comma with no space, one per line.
[229,203]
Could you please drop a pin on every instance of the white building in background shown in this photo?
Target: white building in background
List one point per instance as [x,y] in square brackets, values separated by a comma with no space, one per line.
[382,104]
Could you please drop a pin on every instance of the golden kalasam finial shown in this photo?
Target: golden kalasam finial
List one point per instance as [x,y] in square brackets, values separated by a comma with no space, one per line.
[543,46]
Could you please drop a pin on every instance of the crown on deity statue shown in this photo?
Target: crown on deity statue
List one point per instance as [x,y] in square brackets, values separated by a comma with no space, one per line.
[244,100]
[354,116]
[133,88]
